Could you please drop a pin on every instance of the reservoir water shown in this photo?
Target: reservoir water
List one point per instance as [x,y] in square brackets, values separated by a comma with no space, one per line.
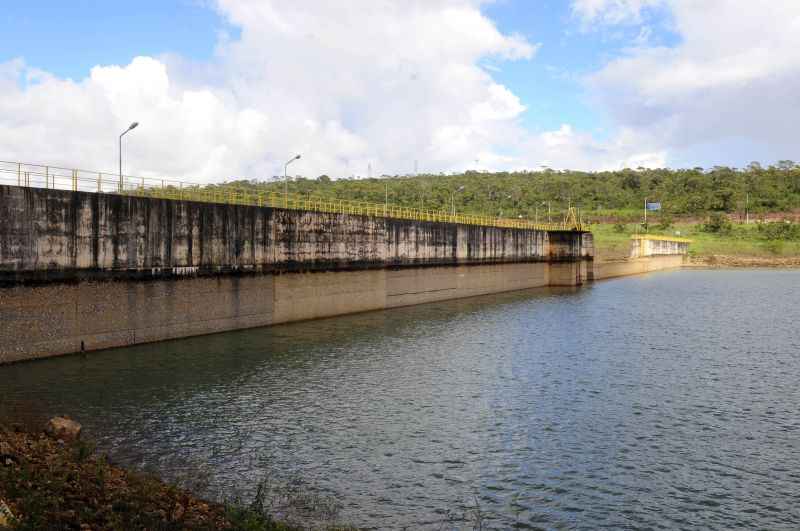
[666,401]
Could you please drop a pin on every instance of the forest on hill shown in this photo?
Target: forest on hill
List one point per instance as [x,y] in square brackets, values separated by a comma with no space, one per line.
[682,192]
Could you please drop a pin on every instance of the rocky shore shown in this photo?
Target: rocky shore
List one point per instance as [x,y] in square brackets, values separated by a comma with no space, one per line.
[722,261]
[51,479]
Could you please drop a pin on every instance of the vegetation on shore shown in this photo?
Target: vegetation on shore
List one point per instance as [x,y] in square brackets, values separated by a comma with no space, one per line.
[601,196]
[716,237]
[50,484]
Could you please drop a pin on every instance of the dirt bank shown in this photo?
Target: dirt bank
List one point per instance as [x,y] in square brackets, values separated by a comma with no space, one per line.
[50,484]
[744,261]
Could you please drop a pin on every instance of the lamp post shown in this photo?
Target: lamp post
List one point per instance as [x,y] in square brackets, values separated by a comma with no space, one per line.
[286,180]
[537,211]
[130,128]
[453,199]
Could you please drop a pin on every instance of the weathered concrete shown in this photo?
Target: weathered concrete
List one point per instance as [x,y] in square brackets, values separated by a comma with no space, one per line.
[647,245]
[83,271]
[635,266]
[58,318]
[648,253]
[50,235]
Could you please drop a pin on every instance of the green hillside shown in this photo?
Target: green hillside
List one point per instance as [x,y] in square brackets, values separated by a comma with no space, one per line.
[609,195]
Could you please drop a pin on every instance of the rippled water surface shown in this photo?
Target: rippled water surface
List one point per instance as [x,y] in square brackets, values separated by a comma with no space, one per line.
[661,401]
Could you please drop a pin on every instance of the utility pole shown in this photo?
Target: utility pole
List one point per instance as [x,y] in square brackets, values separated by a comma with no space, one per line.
[453,199]
[747,209]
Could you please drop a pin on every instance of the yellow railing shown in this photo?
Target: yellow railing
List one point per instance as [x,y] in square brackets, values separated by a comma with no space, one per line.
[660,238]
[55,177]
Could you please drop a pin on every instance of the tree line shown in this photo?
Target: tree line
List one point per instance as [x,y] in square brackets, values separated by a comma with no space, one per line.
[530,194]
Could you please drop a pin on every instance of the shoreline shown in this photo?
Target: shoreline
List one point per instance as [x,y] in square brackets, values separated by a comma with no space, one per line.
[53,481]
[726,261]
[717,261]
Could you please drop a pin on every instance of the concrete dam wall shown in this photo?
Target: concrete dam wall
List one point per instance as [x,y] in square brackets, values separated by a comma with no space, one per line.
[84,271]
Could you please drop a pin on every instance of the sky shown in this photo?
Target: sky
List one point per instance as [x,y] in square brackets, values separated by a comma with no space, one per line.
[228,89]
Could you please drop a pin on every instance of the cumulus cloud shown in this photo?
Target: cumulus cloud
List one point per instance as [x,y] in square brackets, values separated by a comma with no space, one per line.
[726,93]
[348,85]
[380,84]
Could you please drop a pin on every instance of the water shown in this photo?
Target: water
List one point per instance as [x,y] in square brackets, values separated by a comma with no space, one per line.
[660,401]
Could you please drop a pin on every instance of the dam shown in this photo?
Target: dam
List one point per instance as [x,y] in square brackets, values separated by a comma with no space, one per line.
[87,270]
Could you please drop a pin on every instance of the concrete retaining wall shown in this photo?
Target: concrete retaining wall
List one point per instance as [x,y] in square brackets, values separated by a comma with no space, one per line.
[50,235]
[635,266]
[59,318]
[82,271]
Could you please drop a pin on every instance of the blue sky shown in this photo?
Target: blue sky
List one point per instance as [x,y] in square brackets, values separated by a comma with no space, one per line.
[584,71]
[69,38]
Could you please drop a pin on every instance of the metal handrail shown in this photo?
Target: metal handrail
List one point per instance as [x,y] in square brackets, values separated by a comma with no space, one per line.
[60,178]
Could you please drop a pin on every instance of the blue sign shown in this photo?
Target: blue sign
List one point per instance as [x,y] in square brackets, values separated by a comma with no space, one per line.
[653,206]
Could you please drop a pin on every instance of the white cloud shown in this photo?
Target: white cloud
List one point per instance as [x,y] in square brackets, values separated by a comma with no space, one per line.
[611,11]
[567,148]
[730,83]
[346,84]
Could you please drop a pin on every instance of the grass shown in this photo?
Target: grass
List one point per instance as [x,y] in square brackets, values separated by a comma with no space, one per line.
[51,485]
[740,241]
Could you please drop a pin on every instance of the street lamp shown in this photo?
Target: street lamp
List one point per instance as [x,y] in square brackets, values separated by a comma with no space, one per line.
[453,198]
[286,180]
[543,203]
[130,128]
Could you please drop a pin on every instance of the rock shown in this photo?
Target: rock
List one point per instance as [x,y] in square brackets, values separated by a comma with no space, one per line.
[63,428]
[7,457]
[178,512]
[5,515]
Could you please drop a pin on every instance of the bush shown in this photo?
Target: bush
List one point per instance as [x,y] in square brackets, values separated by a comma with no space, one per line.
[665,223]
[619,227]
[779,231]
[774,246]
[717,223]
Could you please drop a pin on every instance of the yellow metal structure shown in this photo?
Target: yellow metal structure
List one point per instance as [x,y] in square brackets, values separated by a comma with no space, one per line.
[41,176]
